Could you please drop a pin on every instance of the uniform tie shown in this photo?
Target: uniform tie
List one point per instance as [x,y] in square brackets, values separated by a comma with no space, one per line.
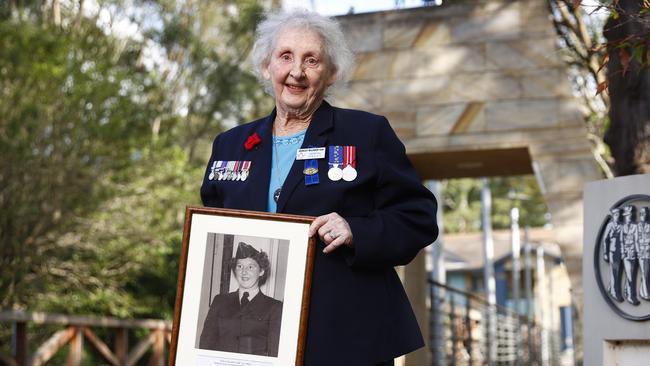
[244,299]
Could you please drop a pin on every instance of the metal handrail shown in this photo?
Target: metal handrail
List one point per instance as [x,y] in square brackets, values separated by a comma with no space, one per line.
[463,338]
[481,299]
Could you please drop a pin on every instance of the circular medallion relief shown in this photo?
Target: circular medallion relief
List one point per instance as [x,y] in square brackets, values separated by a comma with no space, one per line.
[622,257]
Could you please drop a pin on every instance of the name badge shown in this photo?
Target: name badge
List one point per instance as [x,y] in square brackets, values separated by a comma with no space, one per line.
[310,153]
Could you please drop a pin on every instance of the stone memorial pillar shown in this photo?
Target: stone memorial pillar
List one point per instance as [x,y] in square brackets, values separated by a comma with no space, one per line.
[616,271]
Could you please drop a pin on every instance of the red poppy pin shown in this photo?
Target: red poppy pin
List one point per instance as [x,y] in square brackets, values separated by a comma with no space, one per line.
[252,141]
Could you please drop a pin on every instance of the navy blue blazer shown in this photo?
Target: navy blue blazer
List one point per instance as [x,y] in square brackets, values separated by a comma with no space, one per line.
[253,328]
[359,313]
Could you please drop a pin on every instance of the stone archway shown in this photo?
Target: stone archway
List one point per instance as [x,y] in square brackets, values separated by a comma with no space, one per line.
[477,88]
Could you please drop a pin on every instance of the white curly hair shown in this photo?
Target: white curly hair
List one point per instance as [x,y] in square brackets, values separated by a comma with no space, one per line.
[338,54]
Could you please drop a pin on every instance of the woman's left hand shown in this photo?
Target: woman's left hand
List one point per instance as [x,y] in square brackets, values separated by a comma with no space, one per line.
[333,230]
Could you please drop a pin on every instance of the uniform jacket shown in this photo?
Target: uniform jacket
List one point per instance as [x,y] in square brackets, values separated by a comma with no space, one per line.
[612,250]
[359,313]
[253,328]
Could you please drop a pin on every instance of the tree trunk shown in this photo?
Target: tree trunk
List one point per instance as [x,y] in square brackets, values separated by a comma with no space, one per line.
[56,12]
[628,135]
[15,9]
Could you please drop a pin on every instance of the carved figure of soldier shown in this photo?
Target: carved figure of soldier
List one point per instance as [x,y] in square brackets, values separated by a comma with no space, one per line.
[630,261]
[613,253]
[643,251]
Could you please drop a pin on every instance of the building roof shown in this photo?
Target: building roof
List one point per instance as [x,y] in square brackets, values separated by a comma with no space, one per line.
[464,251]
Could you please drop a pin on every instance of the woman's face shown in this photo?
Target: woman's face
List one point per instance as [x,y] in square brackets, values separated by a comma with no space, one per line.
[247,273]
[298,71]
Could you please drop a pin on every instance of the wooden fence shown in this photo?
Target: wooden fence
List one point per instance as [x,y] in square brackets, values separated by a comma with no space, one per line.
[76,330]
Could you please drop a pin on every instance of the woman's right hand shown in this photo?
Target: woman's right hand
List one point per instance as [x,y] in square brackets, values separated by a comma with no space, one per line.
[333,230]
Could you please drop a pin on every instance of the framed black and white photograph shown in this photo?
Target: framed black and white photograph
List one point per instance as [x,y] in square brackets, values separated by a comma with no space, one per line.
[243,289]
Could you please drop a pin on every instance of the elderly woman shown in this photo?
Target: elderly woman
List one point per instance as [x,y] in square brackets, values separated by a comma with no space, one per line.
[246,320]
[346,167]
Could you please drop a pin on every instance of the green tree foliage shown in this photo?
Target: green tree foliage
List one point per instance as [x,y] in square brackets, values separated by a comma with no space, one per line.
[521,192]
[102,148]
[208,43]
[123,258]
[461,203]
[72,119]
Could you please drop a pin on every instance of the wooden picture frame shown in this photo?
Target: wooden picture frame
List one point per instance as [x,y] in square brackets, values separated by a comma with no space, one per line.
[210,326]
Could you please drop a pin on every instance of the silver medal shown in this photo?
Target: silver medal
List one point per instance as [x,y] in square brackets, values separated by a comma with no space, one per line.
[349,173]
[212,170]
[335,173]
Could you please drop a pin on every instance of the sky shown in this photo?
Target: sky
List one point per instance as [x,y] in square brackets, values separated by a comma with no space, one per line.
[338,7]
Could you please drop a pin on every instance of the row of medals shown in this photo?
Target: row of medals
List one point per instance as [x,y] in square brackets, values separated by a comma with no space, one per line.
[225,174]
[335,173]
[348,173]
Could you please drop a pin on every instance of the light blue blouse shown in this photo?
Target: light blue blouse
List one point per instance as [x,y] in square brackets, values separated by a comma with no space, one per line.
[284,154]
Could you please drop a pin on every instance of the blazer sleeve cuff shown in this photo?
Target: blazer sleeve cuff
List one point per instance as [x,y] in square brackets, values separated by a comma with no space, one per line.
[362,253]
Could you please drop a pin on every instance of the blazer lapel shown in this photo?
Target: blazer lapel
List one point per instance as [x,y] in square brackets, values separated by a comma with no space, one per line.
[260,175]
[316,136]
